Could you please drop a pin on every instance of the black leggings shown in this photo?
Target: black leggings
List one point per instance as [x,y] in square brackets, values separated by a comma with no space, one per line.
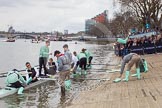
[77,64]
[90,59]
[83,63]
[42,62]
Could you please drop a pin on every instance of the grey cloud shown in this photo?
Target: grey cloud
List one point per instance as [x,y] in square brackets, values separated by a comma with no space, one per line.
[61,6]
[74,27]
[62,14]
[64,4]
[13,3]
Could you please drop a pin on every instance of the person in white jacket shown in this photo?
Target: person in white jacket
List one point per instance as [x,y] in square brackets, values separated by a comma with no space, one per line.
[75,62]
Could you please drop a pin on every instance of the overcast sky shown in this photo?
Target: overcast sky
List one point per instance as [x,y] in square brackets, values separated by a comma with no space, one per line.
[50,15]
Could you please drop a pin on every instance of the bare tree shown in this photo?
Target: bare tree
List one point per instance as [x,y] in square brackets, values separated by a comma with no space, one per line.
[146,11]
[122,23]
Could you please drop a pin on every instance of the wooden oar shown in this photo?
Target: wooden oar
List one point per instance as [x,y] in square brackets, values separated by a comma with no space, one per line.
[21,72]
[5,73]
[3,76]
[55,78]
[17,70]
[108,71]
[52,79]
[113,70]
[107,64]
[105,79]
[99,64]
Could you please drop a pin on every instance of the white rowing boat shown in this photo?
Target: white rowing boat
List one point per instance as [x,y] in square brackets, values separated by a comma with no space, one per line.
[10,90]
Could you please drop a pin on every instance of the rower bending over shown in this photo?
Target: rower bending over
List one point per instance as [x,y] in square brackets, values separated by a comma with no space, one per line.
[89,58]
[130,60]
[14,79]
[82,62]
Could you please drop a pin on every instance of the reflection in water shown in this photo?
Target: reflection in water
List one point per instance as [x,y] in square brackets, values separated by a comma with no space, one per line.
[15,101]
[38,96]
[62,101]
[43,96]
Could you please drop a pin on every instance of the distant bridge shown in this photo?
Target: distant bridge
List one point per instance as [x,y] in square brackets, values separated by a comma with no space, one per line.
[23,35]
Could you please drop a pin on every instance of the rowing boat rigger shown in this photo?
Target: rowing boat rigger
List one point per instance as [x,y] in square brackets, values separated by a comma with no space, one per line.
[4,92]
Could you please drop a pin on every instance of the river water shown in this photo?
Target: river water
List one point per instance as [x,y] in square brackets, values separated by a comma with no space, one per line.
[16,54]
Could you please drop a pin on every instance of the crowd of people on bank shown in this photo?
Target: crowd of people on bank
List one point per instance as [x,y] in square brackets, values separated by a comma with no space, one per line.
[141,45]
[66,63]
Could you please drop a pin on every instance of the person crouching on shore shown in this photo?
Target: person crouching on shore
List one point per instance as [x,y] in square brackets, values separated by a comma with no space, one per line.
[130,60]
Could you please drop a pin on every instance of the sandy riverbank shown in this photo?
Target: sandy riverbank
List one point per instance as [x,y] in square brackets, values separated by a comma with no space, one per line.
[144,93]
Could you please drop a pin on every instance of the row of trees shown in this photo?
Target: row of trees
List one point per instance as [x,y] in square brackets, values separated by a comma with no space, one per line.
[134,14]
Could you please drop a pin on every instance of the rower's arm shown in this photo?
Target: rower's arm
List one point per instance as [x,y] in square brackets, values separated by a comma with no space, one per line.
[37,72]
[6,80]
[22,79]
[27,75]
[122,67]
[60,65]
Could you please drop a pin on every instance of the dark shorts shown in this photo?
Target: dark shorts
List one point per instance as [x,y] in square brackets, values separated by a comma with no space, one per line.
[90,59]
[34,80]
[83,63]
[17,84]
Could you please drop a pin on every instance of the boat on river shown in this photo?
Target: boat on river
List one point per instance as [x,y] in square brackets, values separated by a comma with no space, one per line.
[35,41]
[9,40]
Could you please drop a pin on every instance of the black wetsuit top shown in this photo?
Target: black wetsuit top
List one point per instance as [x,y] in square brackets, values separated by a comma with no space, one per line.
[33,74]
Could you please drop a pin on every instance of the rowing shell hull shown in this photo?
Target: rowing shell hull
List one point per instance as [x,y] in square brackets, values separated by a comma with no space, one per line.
[10,90]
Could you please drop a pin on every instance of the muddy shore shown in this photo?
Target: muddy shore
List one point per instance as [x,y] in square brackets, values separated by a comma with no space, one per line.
[144,93]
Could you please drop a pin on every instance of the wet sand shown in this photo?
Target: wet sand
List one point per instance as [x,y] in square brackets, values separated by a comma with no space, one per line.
[144,93]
